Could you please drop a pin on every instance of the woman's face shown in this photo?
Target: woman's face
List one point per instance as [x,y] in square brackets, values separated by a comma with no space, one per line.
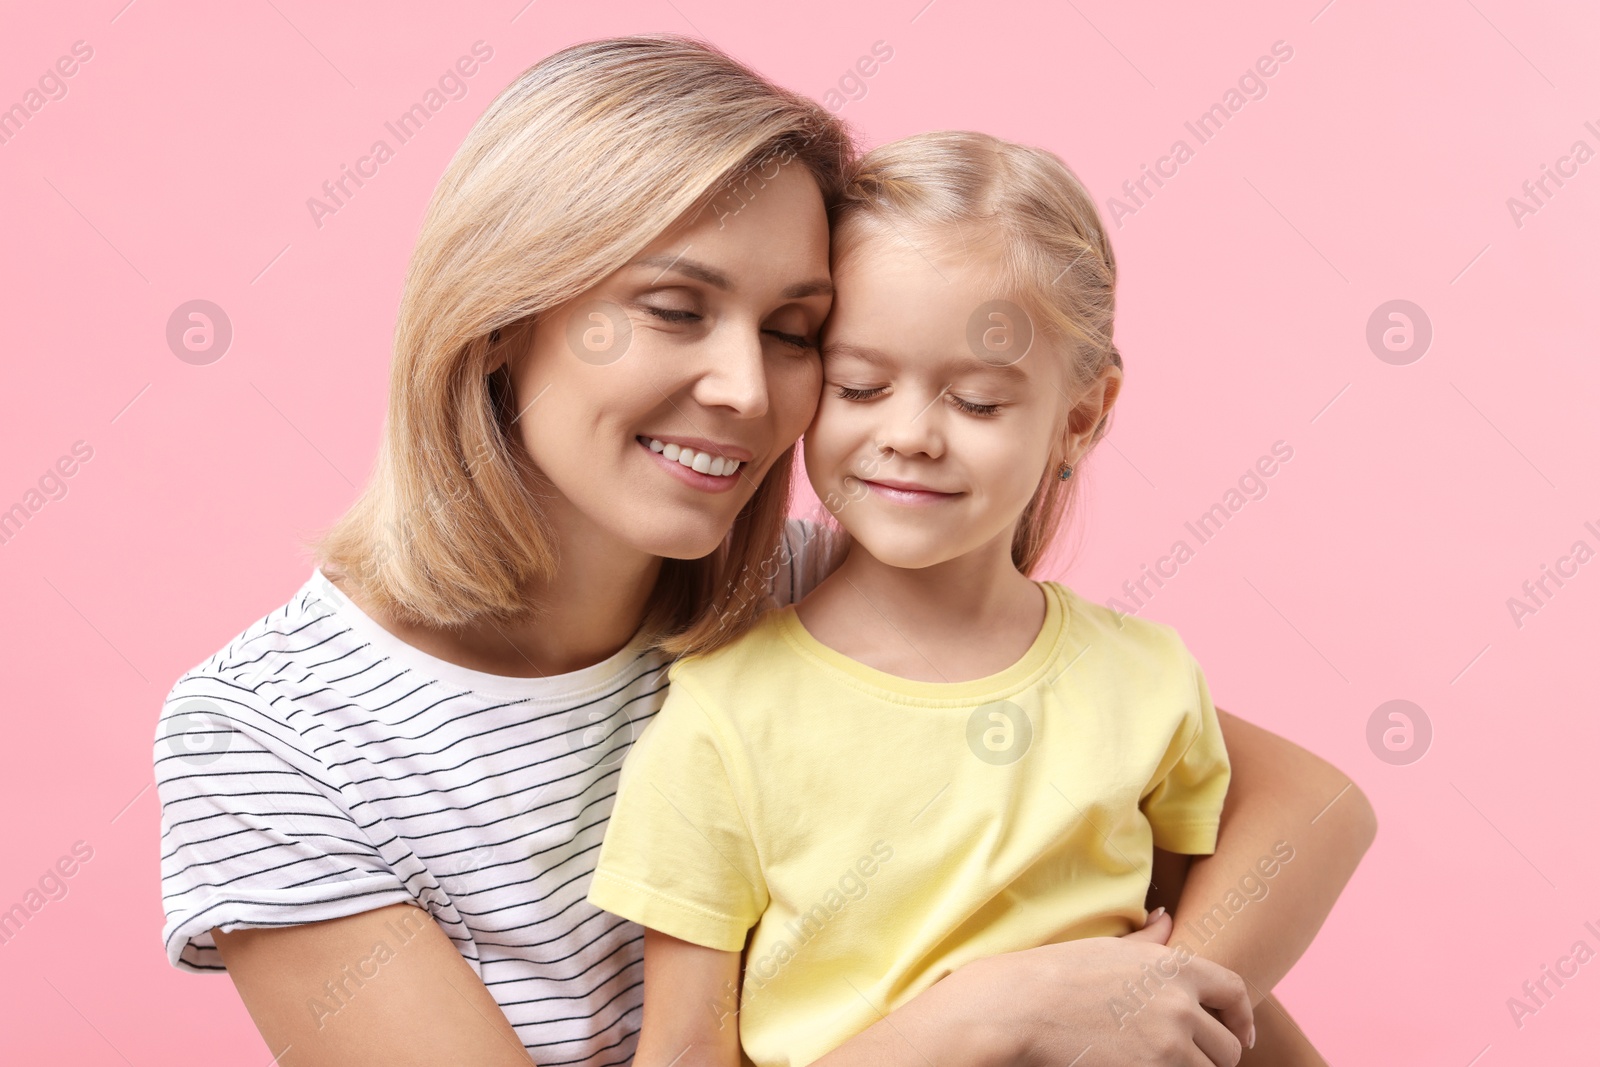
[656,402]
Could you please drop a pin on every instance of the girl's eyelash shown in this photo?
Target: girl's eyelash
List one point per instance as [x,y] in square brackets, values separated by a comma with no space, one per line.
[848,393]
[984,410]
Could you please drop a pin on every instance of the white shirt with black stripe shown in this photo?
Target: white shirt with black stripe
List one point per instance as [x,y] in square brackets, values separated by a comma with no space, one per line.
[318,766]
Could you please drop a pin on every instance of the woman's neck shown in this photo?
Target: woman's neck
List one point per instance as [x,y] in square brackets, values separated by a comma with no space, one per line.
[962,619]
[588,610]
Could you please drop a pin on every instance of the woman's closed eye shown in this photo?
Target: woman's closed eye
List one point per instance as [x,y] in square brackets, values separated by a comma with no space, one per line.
[794,340]
[681,316]
[671,314]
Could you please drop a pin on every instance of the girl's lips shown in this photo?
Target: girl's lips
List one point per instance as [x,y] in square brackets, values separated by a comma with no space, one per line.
[709,483]
[904,493]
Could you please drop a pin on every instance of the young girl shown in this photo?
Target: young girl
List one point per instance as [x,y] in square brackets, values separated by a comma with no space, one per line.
[933,758]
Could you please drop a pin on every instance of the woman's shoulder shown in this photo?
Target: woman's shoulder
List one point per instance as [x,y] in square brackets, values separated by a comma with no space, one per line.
[225,691]
[808,553]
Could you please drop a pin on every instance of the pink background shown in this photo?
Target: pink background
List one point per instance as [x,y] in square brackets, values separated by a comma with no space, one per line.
[1378,567]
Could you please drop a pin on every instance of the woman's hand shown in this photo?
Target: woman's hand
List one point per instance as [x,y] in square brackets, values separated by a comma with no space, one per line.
[1065,1004]
[1082,1013]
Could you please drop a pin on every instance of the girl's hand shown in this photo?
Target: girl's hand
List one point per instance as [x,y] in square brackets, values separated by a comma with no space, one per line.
[1066,1003]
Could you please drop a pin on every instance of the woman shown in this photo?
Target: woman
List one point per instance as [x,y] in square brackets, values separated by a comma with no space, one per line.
[629,252]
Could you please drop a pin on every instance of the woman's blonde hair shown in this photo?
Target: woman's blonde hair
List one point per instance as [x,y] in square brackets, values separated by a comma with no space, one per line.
[583,161]
[951,186]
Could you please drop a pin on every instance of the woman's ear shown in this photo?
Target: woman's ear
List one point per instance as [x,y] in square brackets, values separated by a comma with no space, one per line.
[506,343]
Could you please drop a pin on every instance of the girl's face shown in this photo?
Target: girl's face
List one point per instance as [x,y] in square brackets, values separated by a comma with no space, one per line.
[656,402]
[932,434]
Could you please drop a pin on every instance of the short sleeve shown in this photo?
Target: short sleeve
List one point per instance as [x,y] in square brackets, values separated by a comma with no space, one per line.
[1184,800]
[252,832]
[678,855]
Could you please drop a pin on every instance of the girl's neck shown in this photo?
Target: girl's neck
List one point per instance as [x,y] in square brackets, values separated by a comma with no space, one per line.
[589,609]
[966,618]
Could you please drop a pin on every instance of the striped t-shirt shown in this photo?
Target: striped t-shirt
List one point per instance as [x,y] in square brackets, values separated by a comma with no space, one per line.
[318,766]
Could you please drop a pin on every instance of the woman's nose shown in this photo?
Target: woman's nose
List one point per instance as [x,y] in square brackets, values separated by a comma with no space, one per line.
[735,372]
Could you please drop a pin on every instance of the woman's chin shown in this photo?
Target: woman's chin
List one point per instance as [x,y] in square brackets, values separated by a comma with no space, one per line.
[691,539]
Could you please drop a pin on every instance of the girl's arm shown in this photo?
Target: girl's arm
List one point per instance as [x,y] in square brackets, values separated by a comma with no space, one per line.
[1293,830]
[691,1005]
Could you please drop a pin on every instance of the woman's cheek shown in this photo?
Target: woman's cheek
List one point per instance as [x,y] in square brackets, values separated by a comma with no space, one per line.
[796,389]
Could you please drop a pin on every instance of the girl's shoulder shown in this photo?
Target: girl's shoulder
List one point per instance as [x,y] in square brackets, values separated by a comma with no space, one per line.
[1123,634]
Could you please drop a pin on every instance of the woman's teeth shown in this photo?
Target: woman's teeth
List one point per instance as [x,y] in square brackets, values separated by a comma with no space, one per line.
[704,462]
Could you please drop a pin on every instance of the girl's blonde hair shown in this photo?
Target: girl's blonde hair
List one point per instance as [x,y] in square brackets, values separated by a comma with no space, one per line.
[949,186]
[583,161]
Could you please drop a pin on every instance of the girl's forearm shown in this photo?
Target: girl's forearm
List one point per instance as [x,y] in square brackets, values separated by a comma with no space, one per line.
[1293,830]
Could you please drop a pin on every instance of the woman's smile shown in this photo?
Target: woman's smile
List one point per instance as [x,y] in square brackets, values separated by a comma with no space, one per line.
[707,465]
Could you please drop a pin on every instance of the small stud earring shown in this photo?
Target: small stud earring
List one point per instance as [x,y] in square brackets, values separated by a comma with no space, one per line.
[1065,471]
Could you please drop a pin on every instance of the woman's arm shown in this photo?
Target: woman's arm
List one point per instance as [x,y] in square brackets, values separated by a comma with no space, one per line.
[1293,830]
[1054,1006]
[321,997]
[1044,1006]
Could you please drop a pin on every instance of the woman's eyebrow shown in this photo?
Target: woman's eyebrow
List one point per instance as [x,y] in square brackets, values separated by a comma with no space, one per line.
[815,287]
[702,272]
[689,268]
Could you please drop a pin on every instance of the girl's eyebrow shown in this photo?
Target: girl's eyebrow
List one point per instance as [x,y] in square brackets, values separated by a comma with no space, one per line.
[702,272]
[875,356]
[951,368]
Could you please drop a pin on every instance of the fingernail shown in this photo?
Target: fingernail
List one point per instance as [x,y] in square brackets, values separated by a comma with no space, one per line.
[1154,915]
[1252,1042]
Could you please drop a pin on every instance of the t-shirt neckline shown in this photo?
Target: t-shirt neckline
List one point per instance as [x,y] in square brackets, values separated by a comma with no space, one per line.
[1045,650]
[550,687]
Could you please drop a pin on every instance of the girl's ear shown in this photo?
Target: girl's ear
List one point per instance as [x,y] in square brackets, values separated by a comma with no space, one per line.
[1086,421]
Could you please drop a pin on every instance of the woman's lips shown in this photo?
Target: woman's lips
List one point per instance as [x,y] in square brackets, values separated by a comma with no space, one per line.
[710,483]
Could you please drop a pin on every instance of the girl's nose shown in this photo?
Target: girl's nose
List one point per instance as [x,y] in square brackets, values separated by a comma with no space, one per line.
[913,425]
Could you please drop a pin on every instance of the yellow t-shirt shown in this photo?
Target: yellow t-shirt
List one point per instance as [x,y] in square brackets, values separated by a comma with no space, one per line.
[870,834]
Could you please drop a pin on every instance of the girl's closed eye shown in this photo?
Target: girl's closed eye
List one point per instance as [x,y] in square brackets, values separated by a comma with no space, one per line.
[973,407]
[849,392]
